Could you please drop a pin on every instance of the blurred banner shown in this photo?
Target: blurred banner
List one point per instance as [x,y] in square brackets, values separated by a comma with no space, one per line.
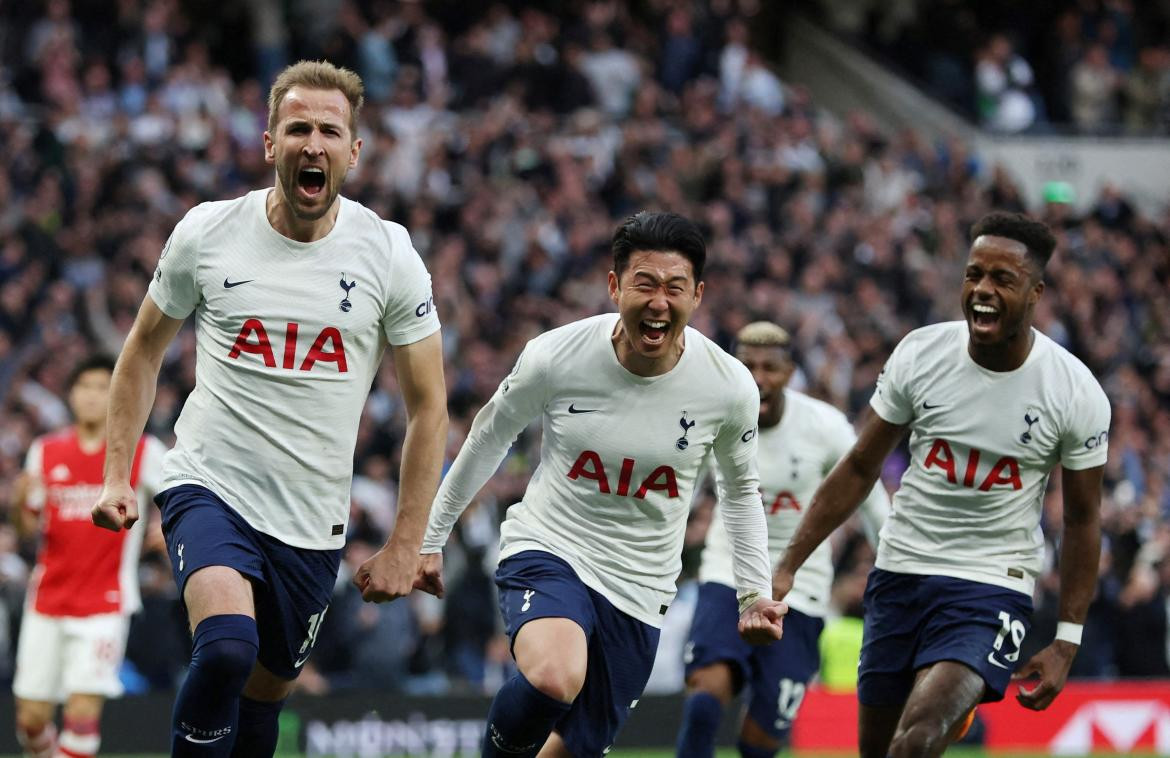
[1117,717]
[1107,717]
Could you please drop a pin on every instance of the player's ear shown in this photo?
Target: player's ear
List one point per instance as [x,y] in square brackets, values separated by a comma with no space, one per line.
[613,287]
[698,294]
[354,149]
[269,148]
[1036,291]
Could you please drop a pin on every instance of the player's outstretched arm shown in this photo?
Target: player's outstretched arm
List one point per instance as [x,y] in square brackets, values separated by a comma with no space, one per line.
[132,389]
[838,496]
[391,572]
[1080,551]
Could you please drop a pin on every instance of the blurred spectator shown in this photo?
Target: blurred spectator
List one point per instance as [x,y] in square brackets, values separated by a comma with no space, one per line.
[1002,79]
[1095,85]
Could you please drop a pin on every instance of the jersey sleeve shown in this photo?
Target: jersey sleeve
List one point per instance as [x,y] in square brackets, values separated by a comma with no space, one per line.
[150,468]
[34,469]
[1085,441]
[519,398]
[743,512]
[410,314]
[174,288]
[891,398]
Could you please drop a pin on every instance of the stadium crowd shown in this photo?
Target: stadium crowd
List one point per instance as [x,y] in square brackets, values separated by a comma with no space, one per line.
[1093,66]
[510,141]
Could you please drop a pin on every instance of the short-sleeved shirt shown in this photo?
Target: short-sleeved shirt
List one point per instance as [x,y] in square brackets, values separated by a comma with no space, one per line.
[982,444]
[82,570]
[289,336]
[795,456]
[620,455]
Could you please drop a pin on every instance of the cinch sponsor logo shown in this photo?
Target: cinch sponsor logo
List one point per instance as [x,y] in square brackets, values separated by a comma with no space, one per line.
[425,307]
[1005,471]
[373,736]
[328,347]
[589,466]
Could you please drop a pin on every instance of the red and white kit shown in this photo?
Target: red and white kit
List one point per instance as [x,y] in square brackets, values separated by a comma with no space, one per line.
[85,585]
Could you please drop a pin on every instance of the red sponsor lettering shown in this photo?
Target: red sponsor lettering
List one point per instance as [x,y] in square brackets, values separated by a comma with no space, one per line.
[328,347]
[589,466]
[785,501]
[1006,470]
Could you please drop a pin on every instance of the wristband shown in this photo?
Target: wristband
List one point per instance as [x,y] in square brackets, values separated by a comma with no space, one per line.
[748,599]
[1069,632]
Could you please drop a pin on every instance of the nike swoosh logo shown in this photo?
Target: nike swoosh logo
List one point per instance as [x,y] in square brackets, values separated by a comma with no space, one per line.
[198,741]
[992,661]
[300,663]
[228,285]
[930,407]
[583,410]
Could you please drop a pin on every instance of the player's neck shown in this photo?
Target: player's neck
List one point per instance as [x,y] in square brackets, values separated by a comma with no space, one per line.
[774,419]
[91,437]
[284,221]
[1005,356]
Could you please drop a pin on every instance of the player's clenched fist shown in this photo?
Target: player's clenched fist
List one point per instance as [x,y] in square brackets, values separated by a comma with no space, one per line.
[430,574]
[762,622]
[116,508]
[388,575]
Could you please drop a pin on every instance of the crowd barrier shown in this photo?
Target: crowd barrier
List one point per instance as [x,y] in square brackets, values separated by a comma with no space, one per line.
[1116,717]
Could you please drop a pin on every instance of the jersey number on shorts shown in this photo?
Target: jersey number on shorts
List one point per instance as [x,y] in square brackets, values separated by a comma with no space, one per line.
[1016,629]
[314,629]
[791,696]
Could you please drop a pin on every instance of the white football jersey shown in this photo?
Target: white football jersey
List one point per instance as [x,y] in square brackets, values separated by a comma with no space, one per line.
[794,458]
[620,455]
[288,338]
[982,444]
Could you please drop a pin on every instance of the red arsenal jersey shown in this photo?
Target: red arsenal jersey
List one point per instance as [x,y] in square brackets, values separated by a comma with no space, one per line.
[81,569]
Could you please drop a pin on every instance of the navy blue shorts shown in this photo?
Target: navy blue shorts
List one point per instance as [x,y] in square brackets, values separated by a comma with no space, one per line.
[292,586]
[913,620]
[777,674]
[535,584]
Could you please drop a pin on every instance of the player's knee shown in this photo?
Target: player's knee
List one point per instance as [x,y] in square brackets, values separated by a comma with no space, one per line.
[225,649]
[559,679]
[918,740]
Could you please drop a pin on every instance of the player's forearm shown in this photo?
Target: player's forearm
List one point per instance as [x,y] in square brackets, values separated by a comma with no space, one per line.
[132,390]
[487,443]
[422,462]
[748,531]
[834,501]
[1080,554]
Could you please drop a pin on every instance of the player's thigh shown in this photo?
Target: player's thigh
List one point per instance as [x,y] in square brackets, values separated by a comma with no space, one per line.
[40,658]
[943,694]
[553,655]
[716,679]
[216,591]
[31,715]
[875,729]
[94,647]
[267,687]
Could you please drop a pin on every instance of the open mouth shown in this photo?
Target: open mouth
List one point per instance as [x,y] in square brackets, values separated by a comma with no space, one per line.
[311,180]
[653,331]
[984,316]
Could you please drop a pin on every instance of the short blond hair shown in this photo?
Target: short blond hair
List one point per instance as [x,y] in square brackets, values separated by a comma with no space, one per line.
[763,334]
[317,75]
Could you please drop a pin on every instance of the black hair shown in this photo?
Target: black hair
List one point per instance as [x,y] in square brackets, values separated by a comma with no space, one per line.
[91,363]
[666,232]
[1032,234]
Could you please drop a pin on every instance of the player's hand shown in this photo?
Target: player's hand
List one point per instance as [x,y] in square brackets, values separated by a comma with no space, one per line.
[1051,664]
[762,622]
[781,584]
[430,574]
[388,574]
[116,508]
